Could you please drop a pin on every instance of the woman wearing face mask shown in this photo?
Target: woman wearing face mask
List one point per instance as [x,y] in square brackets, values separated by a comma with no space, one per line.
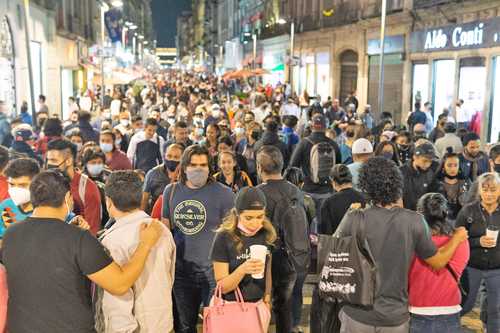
[452,184]
[388,150]
[482,220]
[115,158]
[235,264]
[230,174]
[194,207]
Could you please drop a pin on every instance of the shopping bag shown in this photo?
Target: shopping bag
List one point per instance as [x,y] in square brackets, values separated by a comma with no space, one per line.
[235,317]
[349,273]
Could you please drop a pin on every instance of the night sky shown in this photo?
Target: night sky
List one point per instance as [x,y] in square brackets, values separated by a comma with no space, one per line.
[165,14]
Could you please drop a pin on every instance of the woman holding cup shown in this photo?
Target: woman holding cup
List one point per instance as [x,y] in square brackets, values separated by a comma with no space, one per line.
[482,220]
[241,246]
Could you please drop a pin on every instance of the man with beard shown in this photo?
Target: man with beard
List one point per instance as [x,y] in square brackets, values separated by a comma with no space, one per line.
[473,161]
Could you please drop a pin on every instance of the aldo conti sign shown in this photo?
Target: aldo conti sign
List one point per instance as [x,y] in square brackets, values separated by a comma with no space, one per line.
[473,35]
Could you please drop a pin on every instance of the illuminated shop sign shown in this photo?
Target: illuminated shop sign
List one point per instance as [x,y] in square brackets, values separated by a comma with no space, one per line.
[478,34]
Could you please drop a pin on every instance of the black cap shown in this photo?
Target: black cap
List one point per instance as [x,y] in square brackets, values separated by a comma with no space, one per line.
[250,198]
[425,149]
[450,127]
[318,121]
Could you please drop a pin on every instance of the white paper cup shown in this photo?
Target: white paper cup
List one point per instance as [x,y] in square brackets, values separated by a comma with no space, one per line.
[258,252]
[492,232]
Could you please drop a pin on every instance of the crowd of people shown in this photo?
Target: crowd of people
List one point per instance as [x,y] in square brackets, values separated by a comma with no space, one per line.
[128,215]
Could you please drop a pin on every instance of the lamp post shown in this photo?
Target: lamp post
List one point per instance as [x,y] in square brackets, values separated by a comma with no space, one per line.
[382,49]
[254,39]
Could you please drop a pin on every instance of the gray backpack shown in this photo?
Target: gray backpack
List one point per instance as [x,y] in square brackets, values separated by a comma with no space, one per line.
[321,161]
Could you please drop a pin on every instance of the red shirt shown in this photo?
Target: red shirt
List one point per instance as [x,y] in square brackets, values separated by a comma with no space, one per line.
[430,288]
[119,161]
[4,188]
[91,211]
[157,208]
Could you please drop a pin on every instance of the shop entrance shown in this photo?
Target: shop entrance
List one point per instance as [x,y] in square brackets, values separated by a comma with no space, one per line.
[472,90]
[348,73]
[7,67]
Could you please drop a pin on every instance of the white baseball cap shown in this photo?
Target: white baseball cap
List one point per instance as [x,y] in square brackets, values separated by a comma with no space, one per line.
[362,146]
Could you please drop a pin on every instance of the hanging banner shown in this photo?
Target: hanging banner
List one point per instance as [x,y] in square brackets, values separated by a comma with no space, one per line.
[112,20]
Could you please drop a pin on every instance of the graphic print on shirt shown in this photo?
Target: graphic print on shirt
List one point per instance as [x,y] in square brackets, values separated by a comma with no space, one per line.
[190,216]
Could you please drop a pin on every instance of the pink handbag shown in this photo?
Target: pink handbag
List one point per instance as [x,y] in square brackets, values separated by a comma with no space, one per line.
[231,317]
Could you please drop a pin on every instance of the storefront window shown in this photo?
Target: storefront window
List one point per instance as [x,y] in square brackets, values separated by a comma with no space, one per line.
[472,90]
[323,75]
[495,110]
[7,81]
[444,85]
[420,84]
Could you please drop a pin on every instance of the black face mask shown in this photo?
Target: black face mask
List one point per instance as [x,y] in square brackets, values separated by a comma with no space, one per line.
[497,168]
[171,165]
[256,135]
[450,177]
[349,134]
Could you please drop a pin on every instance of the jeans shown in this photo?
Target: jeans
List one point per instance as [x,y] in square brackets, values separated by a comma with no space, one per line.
[284,277]
[492,280]
[350,325]
[190,291]
[435,324]
[297,299]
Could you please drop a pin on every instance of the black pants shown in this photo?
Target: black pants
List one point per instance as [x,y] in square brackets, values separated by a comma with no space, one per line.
[191,291]
[284,277]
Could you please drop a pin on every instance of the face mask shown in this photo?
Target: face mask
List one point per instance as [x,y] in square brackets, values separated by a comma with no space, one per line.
[387,155]
[106,147]
[78,146]
[19,195]
[106,115]
[198,120]
[171,165]
[403,147]
[95,169]
[239,131]
[171,121]
[247,231]
[197,176]
[256,135]
[349,134]
[450,177]
[199,131]
[124,122]
[55,166]
[118,142]
[216,114]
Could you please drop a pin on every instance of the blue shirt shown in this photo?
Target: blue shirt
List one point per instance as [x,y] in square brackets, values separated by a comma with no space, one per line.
[19,215]
[354,168]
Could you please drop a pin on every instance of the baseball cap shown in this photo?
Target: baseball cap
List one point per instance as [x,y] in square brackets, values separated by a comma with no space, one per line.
[425,149]
[250,198]
[362,146]
[319,121]
[215,107]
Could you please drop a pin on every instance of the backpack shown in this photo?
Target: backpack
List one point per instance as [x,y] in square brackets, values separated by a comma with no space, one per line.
[293,229]
[321,161]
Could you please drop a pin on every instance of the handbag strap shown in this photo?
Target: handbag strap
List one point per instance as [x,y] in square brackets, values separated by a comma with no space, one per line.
[457,279]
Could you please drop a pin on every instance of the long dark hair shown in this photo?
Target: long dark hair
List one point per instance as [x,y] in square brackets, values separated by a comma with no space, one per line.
[449,154]
[186,160]
[434,208]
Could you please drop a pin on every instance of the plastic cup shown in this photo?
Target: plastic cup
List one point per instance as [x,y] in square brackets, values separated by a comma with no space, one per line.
[492,232]
[258,252]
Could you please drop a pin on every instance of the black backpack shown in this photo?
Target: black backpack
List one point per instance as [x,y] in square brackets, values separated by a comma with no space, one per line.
[290,219]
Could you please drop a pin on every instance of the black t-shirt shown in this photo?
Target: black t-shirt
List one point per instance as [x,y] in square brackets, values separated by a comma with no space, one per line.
[47,262]
[224,250]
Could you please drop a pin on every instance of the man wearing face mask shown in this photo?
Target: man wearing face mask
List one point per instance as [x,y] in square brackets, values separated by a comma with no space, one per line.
[61,154]
[473,161]
[159,177]
[194,207]
[419,174]
[215,115]
[18,207]
[115,158]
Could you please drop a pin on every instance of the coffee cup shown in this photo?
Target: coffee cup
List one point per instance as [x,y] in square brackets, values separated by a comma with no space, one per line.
[492,232]
[258,252]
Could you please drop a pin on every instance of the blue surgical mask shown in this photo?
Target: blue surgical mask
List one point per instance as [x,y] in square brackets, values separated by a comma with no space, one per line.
[106,147]
[95,169]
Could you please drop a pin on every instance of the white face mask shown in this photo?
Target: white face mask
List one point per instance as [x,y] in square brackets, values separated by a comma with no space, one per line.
[19,195]
[124,122]
[216,113]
